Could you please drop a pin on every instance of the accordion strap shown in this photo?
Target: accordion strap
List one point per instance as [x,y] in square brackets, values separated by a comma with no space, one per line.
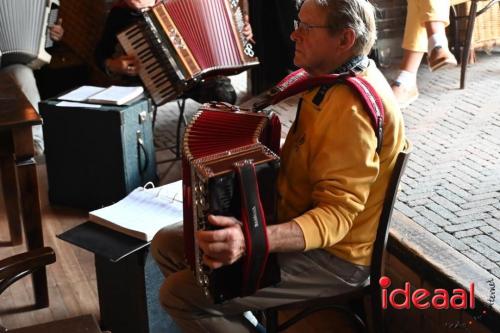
[300,81]
[254,228]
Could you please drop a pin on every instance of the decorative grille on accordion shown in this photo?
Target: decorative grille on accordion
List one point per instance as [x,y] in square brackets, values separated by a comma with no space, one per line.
[24,31]
[218,138]
[181,41]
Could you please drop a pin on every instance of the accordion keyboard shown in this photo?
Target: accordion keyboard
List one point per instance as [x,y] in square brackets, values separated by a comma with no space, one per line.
[135,42]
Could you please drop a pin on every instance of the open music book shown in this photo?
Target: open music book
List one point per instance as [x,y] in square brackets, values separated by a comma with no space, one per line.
[115,95]
[143,211]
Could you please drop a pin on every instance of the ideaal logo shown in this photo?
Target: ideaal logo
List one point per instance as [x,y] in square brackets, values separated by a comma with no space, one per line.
[438,299]
[423,299]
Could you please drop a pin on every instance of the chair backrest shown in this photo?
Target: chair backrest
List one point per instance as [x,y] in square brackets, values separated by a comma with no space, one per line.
[377,261]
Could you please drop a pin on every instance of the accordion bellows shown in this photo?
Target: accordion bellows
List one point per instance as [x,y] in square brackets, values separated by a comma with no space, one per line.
[219,138]
[23,31]
[178,42]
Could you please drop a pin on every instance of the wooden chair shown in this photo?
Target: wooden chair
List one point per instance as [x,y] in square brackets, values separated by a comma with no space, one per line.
[352,302]
[16,267]
[471,19]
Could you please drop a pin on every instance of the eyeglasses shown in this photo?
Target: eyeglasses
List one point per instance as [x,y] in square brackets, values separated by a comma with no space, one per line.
[306,27]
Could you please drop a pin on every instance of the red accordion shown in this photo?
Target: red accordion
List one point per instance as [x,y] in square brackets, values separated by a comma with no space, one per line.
[178,42]
[227,170]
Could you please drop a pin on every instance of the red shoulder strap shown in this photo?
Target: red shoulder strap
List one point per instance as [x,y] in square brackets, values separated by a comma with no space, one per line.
[300,80]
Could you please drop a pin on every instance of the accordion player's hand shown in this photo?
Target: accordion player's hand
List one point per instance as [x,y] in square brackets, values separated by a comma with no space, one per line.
[247,29]
[222,246]
[57,31]
[125,65]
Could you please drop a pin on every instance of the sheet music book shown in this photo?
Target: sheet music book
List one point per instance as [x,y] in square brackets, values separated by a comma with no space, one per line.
[143,211]
[115,95]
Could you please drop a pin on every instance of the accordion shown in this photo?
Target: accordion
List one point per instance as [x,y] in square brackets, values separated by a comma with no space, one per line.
[179,42]
[24,32]
[227,170]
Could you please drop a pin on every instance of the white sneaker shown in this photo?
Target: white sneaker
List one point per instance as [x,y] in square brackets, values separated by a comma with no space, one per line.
[405,95]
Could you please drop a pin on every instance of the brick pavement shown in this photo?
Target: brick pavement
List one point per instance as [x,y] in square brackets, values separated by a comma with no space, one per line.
[452,183]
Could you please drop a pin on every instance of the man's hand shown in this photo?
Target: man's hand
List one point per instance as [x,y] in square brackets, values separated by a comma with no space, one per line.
[223,246]
[126,65]
[247,29]
[57,31]
[140,4]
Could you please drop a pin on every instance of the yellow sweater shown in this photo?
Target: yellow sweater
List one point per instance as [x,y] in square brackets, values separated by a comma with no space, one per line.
[332,181]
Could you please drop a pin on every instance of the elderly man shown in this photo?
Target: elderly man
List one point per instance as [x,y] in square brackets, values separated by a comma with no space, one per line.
[331,183]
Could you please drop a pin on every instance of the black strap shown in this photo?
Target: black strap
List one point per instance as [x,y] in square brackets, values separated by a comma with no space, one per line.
[254,227]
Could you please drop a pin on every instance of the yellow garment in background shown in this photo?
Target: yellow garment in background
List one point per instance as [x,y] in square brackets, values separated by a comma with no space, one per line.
[419,12]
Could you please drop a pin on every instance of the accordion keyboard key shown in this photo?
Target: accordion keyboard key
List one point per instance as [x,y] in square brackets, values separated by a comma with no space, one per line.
[154,77]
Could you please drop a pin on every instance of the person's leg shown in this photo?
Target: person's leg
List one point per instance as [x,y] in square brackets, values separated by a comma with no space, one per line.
[303,275]
[414,46]
[436,15]
[24,78]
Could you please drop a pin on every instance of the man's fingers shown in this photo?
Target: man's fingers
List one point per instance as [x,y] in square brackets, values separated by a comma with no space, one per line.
[222,221]
[213,235]
[212,263]
[214,247]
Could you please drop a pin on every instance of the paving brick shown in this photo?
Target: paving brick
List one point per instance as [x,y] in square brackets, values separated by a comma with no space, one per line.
[479,259]
[464,226]
[493,195]
[440,210]
[452,241]
[481,248]
[467,233]
[450,196]
[404,209]
[479,203]
[408,182]
[488,230]
[416,197]
[490,242]
[455,189]
[495,271]
[417,203]
[470,163]
[409,172]
[471,218]
[460,183]
[422,189]
[431,215]
[476,210]
[495,214]
[445,203]
[427,224]
[495,223]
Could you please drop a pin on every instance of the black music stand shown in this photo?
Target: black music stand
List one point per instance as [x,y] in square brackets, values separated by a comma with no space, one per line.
[181,104]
